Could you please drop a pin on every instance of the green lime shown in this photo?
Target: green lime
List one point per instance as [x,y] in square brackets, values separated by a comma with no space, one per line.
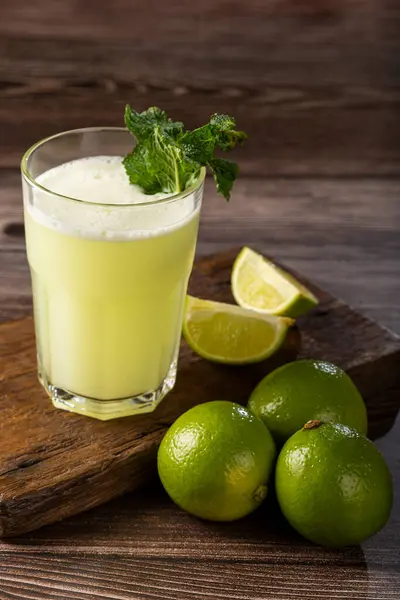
[258,284]
[215,461]
[230,334]
[333,485]
[303,390]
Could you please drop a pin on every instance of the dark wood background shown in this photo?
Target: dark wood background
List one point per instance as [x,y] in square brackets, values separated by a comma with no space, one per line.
[316,84]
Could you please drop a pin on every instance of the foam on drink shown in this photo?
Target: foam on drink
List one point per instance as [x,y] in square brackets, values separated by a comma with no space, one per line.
[102,180]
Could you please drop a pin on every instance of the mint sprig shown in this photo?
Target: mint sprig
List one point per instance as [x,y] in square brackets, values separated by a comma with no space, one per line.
[168,158]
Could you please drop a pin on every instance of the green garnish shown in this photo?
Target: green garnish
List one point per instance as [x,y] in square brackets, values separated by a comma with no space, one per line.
[168,158]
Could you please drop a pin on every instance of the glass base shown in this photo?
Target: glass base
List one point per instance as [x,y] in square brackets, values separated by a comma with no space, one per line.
[109,409]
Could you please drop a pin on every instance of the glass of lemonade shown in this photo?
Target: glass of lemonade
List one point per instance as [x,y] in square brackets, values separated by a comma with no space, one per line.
[110,267]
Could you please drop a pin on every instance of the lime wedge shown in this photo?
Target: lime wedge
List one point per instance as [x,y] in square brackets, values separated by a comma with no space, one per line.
[259,285]
[230,334]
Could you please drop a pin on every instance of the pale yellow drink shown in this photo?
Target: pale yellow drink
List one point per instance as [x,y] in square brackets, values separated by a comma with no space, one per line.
[109,283]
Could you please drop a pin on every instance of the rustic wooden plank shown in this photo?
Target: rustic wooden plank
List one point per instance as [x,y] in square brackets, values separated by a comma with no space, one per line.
[323,101]
[146,529]
[101,461]
[142,529]
[303,130]
[163,579]
[237,44]
[145,524]
[47,476]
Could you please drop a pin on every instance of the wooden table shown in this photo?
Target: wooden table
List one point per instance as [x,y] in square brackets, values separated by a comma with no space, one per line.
[316,85]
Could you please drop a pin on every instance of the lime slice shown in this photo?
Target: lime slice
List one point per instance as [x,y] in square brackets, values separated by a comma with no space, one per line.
[230,334]
[259,285]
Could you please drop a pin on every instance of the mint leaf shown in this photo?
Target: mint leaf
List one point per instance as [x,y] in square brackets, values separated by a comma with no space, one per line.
[224,173]
[167,158]
[199,144]
[142,124]
[226,135]
[156,163]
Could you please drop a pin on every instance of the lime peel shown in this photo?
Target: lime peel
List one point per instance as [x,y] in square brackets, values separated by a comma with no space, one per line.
[231,334]
[258,284]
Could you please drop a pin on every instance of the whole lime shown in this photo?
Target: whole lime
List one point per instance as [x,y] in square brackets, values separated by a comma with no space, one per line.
[303,390]
[215,461]
[333,485]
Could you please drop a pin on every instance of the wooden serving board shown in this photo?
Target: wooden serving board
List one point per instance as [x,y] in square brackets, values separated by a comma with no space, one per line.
[54,464]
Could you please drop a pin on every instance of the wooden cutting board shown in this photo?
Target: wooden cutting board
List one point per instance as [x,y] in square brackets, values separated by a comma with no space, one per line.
[54,464]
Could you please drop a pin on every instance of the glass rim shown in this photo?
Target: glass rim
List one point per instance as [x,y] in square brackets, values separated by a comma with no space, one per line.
[31,180]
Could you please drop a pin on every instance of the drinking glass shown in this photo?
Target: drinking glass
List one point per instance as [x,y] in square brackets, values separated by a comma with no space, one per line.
[109,282]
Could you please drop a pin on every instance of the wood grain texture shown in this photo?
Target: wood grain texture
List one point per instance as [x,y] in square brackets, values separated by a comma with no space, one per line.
[315,84]
[230,43]
[174,579]
[339,130]
[83,463]
[142,546]
[105,552]
[54,464]
[145,523]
